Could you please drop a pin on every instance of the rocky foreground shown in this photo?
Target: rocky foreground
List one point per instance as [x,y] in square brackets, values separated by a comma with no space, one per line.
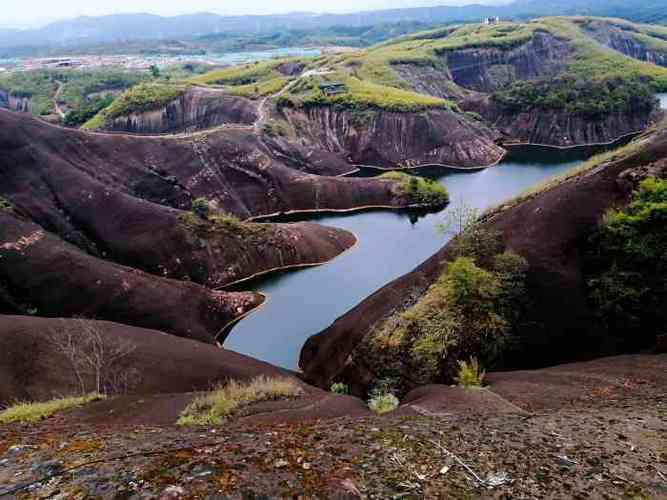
[589,430]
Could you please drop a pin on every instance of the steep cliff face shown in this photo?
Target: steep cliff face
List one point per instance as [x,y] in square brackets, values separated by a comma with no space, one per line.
[488,69]
[21,104]
[196,109]
[624,41]
[389,139]
[560,127]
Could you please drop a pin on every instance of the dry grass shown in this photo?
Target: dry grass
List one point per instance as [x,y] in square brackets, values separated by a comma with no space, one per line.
[214,407]
[34,412]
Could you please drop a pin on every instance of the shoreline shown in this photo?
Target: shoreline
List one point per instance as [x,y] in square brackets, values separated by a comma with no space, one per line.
[287,267]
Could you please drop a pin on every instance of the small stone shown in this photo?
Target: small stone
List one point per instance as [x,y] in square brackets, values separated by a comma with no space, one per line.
[445,470]
[172,492]
[306,466]
[279,464]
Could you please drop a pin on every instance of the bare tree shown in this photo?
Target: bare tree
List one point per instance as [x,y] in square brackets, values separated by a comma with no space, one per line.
[93,355]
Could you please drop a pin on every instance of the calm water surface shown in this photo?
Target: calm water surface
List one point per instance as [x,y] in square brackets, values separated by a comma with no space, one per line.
[663,100]
[391,243]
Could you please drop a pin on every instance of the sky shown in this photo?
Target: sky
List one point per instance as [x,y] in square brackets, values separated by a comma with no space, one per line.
[36,12]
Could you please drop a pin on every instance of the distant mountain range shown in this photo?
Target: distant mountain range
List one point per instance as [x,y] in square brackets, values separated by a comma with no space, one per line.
[125,27]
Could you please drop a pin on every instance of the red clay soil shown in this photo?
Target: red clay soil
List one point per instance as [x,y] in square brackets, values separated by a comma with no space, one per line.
[547,230]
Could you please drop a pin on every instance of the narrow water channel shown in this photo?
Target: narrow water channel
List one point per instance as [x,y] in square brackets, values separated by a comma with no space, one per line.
[390,243]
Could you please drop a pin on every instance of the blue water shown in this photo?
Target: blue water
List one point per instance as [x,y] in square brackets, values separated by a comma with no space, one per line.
[391,243]
[663,100]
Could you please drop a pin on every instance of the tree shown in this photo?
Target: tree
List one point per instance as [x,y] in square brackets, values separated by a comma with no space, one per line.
[201,208]
[155,71]
[94,355]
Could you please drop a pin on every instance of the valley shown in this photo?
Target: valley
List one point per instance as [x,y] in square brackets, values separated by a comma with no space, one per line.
[341,274]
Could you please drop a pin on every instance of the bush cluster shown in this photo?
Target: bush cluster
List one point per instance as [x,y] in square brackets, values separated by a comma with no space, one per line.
[628,270]
[579,96]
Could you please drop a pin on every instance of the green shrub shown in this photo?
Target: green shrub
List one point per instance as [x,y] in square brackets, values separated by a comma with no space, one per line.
[419,190]
[580,96]
[201,208]
[382,398]
[34,412]
[383,403]
[470,375]
[628,269]
[5,206]
[89,109]
[340,388]
[276,129]
[213,408]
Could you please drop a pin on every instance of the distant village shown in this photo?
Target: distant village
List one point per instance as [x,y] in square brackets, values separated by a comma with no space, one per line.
[129,62]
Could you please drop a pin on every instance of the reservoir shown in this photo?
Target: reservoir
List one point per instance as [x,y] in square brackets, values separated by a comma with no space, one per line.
[303,302]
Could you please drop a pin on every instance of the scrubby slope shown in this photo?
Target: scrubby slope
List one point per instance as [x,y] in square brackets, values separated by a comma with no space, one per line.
[550,229]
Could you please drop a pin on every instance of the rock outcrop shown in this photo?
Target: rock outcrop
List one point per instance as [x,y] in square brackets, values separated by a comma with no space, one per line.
[389,139]
[20,104]
[47,276]
[488,69]
[560,127]
[196,109]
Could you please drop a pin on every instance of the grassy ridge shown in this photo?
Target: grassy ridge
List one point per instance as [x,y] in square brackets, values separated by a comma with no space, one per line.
[142,97]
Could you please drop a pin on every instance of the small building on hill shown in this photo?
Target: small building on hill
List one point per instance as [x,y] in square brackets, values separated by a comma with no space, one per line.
[333,88]
[491,20]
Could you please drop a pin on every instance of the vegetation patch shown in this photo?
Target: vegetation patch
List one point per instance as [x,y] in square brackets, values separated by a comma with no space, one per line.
[5,205]
[382,398]
[628,267]
[213,408]
[470,374]
[260,89]
[419,190]
[593,62]
[34,412]
[474,309]
[202,220]
[241,75]
[578,96]
[144,97]
[79,89]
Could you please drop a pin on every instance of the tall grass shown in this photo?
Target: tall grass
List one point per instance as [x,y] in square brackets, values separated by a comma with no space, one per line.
[34,412]
[213,408]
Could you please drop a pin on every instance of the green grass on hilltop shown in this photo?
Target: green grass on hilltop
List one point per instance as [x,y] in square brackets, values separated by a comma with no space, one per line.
[144,97]
[241,75]
[594,62]
[261,89]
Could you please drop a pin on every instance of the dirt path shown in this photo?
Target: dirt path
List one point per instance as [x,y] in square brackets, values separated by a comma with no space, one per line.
[56,96]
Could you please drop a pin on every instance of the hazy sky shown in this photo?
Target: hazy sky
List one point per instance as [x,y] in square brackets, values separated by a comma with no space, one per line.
[40,11]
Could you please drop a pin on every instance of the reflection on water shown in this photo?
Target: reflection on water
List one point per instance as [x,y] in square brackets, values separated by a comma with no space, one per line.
[391,243]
